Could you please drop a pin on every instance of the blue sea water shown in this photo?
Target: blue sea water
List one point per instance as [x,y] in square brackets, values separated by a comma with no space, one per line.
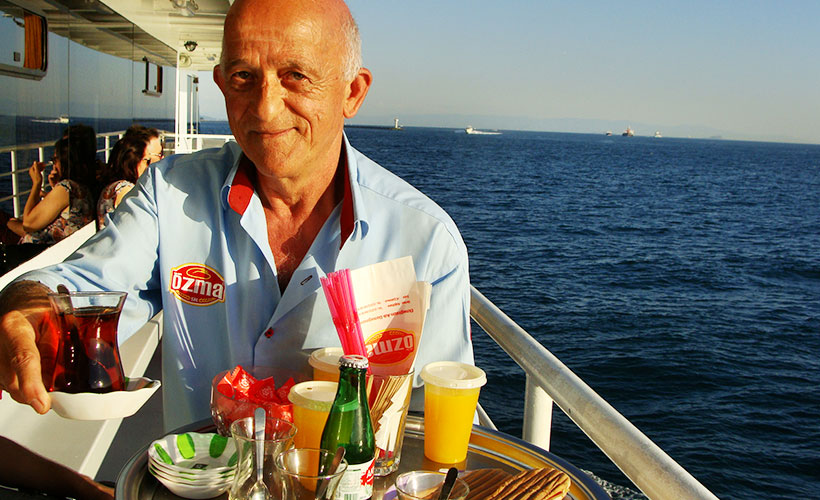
[679,278]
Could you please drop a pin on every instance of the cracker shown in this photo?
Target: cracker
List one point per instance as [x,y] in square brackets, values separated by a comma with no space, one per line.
[533,484]
[483,482]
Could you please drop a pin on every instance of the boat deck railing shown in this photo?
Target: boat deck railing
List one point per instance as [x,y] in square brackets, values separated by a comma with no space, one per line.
[18,192]
[656,474]
[180,143]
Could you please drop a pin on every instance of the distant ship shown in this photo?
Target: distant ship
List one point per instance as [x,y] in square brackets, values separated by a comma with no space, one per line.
[471,130]
[628,132]
[61,119]
[658,134]
[608,133]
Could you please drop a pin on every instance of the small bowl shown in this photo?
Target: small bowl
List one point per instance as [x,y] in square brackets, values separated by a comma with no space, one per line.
[157,472]
[225,410]
[425,485]
[115,404]
[194,454]
[194,491]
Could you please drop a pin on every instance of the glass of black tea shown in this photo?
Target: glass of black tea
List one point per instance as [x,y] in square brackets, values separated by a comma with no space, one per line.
[88,358]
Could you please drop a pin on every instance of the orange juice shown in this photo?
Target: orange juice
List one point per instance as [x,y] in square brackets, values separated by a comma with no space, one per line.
[311,404]
[325,363]
[450,396]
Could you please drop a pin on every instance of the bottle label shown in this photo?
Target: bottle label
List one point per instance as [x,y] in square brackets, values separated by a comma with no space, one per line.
[357,482]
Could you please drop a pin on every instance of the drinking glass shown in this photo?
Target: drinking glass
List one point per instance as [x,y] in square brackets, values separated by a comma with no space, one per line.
[450,397]
[389,399]
[278,438]
[311,405]
[426,485]
[303,474]
[88,356]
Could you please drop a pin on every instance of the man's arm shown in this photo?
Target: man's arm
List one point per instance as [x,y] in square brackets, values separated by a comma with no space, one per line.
[24,310]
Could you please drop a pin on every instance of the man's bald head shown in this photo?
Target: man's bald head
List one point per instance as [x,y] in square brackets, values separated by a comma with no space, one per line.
[334,12]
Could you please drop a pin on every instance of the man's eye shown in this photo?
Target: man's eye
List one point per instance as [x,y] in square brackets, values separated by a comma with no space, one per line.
[297,76]
[242,75]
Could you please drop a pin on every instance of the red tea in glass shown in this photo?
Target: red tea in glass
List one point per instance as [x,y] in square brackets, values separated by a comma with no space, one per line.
[88,357]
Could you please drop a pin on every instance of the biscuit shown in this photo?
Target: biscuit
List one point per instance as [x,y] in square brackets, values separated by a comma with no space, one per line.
[483,482]
[534,484]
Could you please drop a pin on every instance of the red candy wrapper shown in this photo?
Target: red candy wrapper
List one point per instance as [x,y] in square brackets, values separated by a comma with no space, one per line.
[239,394]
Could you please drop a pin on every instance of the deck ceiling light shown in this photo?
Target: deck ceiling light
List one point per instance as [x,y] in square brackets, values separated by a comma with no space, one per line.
[190,45]
[187,8]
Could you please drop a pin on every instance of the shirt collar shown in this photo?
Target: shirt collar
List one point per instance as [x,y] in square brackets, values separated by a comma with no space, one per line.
[238,190]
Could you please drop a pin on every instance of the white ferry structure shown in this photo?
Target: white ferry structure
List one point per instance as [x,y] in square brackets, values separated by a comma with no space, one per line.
[140,59]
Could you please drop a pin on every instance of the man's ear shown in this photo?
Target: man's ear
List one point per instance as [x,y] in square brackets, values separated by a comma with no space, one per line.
[356,91]
[218,78]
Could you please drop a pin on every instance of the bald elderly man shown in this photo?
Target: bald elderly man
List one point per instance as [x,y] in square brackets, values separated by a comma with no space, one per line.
[258,222]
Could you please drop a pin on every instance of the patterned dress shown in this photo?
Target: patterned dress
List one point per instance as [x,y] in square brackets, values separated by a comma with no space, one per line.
[107,198]
[78,213]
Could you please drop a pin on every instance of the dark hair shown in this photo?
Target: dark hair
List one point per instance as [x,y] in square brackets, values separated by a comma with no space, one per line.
[138,129]
[77,152]
[124,159]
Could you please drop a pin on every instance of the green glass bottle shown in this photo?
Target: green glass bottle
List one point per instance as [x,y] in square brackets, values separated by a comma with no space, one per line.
[348,425]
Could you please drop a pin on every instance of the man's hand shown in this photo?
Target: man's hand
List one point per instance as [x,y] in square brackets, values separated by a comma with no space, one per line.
[28,343]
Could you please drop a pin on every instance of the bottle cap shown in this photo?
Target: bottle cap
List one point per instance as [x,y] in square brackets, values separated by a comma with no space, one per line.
[353,361]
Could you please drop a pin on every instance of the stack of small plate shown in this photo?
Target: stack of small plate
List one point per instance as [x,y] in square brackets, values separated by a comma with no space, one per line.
[193,465]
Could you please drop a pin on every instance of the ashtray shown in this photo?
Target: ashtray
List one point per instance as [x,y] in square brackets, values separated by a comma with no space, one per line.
[115,404]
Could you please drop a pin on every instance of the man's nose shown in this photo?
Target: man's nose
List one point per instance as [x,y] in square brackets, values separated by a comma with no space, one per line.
[270,98]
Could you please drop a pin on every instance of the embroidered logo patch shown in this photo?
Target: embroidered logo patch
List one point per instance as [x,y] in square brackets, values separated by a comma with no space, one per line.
[197,284]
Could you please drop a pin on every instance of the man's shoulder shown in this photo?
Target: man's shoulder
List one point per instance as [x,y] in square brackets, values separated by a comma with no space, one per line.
[384,192]
[379,181]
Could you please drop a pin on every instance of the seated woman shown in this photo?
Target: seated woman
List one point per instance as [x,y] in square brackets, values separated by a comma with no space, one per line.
[69,205]
[129,158]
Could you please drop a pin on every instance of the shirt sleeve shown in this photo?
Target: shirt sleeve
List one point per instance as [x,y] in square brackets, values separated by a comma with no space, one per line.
[120,257]
[446,335]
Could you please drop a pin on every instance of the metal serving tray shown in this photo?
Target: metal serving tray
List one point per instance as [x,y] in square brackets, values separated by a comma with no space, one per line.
[488,449]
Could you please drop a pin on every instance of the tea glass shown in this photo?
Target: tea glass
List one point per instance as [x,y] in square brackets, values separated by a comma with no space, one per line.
[88,355]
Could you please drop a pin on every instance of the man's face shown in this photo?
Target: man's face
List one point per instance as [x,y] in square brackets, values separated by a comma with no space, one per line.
[282,76]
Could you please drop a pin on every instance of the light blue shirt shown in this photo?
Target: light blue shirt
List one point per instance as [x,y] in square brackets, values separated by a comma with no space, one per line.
[191,239]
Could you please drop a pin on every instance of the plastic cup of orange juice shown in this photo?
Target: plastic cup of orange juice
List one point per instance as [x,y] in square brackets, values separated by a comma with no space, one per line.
[450,397]
[311,404]
[325,363]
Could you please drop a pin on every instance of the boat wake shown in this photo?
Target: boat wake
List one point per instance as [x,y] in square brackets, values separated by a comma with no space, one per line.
[616,491]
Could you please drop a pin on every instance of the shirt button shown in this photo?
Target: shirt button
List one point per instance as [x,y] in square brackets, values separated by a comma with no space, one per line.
[269,333]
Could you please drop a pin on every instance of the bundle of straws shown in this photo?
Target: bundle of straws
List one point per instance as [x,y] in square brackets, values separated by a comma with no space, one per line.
[339,293]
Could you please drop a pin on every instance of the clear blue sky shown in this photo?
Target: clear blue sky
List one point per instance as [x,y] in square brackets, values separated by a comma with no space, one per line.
[746,70]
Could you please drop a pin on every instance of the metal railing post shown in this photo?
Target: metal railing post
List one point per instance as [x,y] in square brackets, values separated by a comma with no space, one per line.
[41,154]
[15,187]
[537,415]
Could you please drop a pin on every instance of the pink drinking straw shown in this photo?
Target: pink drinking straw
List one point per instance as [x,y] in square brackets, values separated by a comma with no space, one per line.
[338,291]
